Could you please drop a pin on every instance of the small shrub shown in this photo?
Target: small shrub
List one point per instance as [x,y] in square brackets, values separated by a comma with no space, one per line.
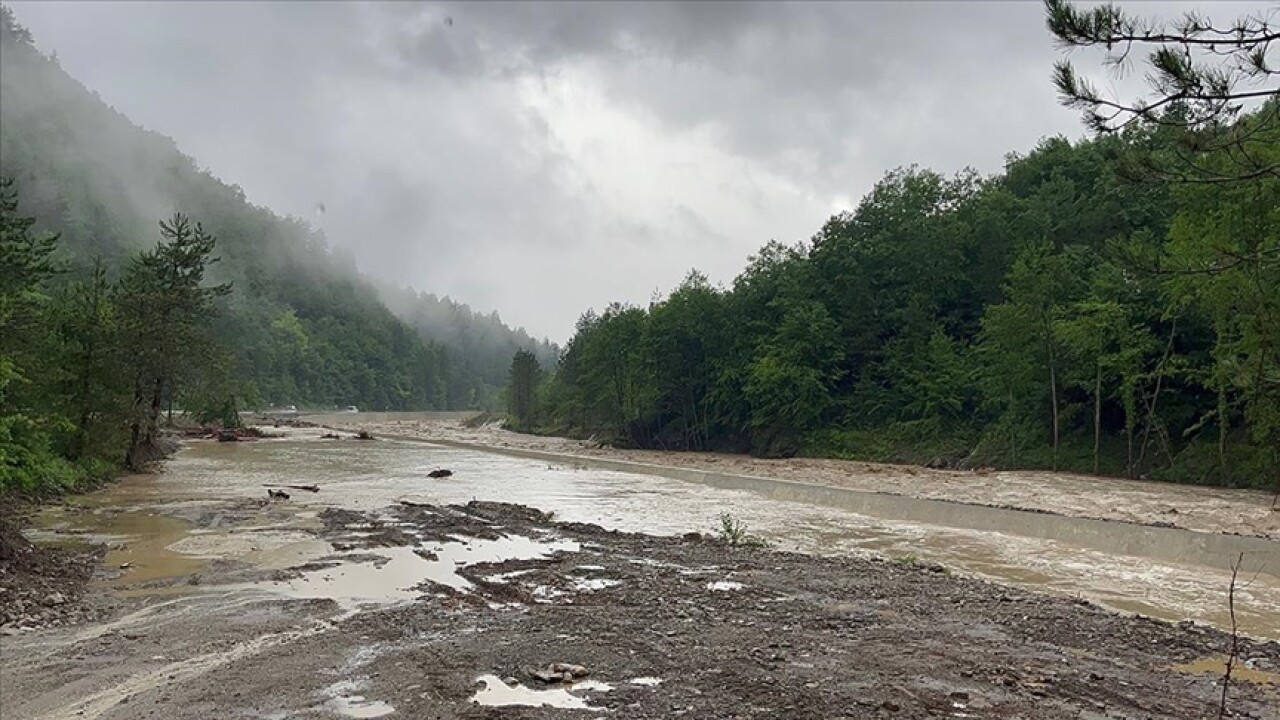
[734,533]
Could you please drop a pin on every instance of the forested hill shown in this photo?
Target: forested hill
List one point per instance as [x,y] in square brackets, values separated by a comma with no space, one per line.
[484,340]
[304,327]
[1060,314]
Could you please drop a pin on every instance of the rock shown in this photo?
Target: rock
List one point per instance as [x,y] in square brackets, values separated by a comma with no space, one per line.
[891,706]
[576,671]
[560,672]
[55,598]
[277,494]
[547,676]
[228,436]
[440,473]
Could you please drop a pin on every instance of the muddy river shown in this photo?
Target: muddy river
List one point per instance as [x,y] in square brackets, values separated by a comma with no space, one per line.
[149,522]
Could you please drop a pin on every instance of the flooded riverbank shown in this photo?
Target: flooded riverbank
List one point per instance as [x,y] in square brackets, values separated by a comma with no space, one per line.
[570,617]
[1205,509]
[208,582]
[1166,573]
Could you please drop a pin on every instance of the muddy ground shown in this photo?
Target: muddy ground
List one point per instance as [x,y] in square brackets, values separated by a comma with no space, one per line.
[725,632]
[1219,510]
[39,586]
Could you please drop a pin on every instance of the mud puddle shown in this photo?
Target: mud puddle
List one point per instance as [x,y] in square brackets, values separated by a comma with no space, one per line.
[1241,671]
[138,542]
[381,576]
[345,699]
[496,693]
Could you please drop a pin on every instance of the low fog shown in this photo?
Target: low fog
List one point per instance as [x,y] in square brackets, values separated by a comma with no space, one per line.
[543,159]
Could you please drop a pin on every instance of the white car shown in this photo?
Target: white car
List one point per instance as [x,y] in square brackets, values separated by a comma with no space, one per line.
[352,409]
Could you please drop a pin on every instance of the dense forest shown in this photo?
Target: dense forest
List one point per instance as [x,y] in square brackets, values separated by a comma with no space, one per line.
[1082,310]
[276,316]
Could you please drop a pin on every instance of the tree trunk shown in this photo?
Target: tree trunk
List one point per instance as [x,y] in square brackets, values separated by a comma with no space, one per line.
[1155,395]
[1047,322]
[1224,427]
[1128,440]
[1053,392]
[1097,417]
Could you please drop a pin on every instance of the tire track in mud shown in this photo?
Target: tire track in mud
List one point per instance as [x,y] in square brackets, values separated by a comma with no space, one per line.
[103,701]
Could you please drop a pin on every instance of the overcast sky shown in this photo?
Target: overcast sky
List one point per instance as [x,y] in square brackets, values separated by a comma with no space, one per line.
[543,159]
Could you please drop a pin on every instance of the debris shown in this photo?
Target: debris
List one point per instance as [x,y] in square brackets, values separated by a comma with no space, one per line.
[330,436]
[308,488]
[440,473]
[277,494]
[364,435]
[560,672]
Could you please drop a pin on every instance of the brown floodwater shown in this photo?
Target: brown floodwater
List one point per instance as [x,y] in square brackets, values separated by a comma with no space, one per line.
[1162,572]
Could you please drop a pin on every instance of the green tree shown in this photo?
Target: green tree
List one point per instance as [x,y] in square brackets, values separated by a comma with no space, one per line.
[94,381]
[522,387]
[165,310]
[1201,77]
[26,265]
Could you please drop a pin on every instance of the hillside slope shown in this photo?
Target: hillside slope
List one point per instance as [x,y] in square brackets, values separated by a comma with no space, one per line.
[306,328]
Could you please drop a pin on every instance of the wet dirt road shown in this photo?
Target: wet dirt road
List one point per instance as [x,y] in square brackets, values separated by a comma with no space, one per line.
[216,580]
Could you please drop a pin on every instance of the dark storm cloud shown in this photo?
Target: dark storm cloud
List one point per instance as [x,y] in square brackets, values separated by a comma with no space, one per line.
[543,158]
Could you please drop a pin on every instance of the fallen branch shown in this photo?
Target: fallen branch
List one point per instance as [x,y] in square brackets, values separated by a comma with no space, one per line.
[308,488]
[1235,637]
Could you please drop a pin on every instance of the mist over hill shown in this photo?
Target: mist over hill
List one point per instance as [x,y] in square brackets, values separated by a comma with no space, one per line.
[305,326]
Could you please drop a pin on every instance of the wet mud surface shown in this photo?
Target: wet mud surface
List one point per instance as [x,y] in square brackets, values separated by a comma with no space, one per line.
[387,594]
[40,585]
[455,611]
[1205,509]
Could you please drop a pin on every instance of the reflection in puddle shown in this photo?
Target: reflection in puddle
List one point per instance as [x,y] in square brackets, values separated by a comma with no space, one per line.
[390,575]
[497,693]
[344,701]
[724,585]
[357,707]
[593,584]
[506,577]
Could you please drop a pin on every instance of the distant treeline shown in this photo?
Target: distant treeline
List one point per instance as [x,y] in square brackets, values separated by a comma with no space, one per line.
[1056,316]
[292,322]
